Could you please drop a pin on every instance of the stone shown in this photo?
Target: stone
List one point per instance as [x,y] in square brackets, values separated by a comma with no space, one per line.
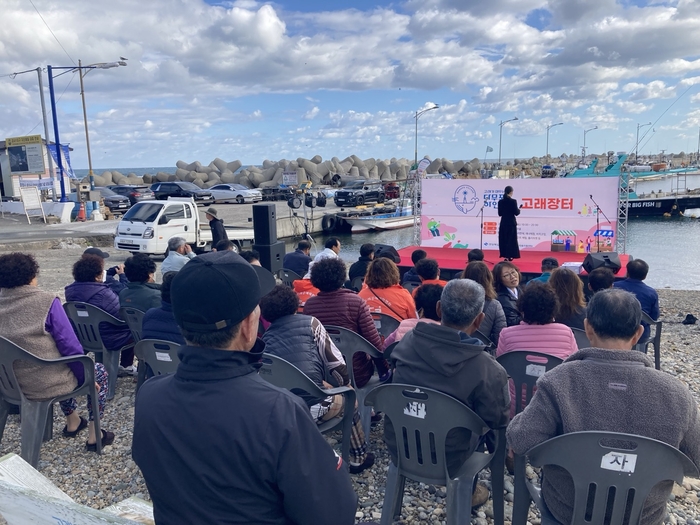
[220,164]
[234,166]
[181,173]
[181,164]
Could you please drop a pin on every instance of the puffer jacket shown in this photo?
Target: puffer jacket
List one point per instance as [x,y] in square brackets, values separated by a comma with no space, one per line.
[159,323]
[405,326]
[494,320]
[510,308]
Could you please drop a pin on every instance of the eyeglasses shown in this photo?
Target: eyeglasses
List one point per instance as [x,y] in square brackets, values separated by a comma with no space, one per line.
[508,275]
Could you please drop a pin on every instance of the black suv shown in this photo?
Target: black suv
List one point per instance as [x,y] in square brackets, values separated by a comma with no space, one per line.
[163,190]
[115,202]
[134,192]
[359,192]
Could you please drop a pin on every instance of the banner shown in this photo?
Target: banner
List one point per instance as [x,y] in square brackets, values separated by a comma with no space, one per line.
[556,214]
[26,155]
[67,168]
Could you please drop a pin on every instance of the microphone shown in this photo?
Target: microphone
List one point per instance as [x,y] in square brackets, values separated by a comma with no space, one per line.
[590,196]
[520,206]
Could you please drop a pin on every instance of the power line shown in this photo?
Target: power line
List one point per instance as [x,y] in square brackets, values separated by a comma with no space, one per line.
[58,100]
[52,33]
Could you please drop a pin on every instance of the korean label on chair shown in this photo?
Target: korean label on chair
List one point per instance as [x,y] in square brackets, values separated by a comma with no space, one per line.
[619,461]
[163,356]
[415,409]
[535,370]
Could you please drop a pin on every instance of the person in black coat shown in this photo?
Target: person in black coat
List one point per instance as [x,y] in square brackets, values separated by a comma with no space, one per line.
[508,229]
[218,232]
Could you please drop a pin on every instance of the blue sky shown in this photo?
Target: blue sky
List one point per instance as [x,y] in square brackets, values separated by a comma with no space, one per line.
[254,80]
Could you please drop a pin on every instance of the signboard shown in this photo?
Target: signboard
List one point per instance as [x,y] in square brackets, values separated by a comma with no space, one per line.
[42,184]
[26,155]
[65,157]
[289,178]
[452,213]
[31,198]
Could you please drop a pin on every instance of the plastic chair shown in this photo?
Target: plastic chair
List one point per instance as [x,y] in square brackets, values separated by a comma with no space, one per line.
[284,374]
[654,340]
[422,418]
[385,324]
[387,353]
[288,276]
[612,473]
[490,347]
[581,338]
[34,421]
[349,343]
[86,320]
[133,318]
[158,355]
[356,283]
[411,285]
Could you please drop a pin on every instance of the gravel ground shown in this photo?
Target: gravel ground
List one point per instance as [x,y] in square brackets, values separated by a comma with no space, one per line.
[99,481]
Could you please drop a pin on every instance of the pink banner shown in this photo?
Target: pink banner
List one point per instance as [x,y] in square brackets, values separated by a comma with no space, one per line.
[556,214]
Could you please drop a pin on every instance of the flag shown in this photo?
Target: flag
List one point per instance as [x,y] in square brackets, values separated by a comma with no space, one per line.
[489,149]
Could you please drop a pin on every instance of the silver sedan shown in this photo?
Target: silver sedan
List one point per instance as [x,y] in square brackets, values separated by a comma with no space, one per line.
[234,193]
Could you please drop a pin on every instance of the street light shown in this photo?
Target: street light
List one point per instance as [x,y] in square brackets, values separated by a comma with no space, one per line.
[548,128]
[57,141]
[585,132]
[418,115]
[636,146]
[500,137]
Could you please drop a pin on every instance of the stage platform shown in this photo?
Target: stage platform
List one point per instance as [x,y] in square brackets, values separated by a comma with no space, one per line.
[453,260]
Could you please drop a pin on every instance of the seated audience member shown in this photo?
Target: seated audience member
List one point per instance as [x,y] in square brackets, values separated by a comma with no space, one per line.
[302,340]
[600,279]
[429,272]
[159,323]
[262,456]
[338,306]
[426,299]
[506,280]
[304,290]
[251,256]
[494,319]
[537,331]
[548,264]
[223,246]
[179,254]
[35,321]
[331,249]
[114,277]
[383,293]
[475,255]
[637,271]
[359,267]
[298,260]
[411,276]
[608,388]
[571,303]
[447,358]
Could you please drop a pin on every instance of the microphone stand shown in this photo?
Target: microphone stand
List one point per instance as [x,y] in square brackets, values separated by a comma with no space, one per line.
[481,241]
[598,211]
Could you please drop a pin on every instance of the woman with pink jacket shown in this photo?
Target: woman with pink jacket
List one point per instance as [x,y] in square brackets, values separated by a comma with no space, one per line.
[537,331]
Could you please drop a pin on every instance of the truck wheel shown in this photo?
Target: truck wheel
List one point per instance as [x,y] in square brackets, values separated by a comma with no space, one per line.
[381,198]
[240,199]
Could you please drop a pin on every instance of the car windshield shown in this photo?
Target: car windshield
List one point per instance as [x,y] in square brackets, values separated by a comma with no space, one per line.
[106,192]
[143,212]
[189,186]
[355,184]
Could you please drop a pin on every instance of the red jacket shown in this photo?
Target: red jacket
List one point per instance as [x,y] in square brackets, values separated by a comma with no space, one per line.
[430,281]
[394,301]
[305,290]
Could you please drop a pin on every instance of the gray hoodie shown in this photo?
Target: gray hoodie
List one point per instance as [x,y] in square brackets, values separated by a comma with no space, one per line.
[612,391]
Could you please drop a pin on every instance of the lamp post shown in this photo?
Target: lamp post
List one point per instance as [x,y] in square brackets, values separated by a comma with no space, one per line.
[548,128]
[418,115]
[500,137]
[585,132]
[636,146]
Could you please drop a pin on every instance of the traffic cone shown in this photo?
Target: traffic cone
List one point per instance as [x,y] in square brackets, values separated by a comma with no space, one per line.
[81,213]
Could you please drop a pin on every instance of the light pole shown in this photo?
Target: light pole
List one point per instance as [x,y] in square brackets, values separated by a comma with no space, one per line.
[418,115]
[636,146]
[548,128]
[585,132]
[500,137]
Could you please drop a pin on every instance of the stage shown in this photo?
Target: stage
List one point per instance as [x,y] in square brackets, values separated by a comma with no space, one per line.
[453,260]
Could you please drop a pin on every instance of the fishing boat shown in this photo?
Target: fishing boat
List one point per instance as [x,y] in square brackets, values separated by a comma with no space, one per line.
[402,217]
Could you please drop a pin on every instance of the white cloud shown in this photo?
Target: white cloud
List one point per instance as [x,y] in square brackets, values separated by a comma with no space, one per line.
[311,114]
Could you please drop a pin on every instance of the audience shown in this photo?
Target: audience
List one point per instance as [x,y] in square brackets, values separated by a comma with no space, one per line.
[548,264]
[429,272]
[35,321]
[114,276]
[338,306]
[302,340]
[494,319]
[305,290]
[600,279]
[223,246]
[331,249]
[383,293]
[608,388]
[475,255]
[179,254]
[637,271]
[298,260]
[359,268]
[411,276]
[426,299]
[251,256]
[571,303]
[506,280]
[261,459]
[159,323]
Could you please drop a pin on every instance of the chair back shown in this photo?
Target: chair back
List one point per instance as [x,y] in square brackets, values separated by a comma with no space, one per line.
[284,374]
[612,473]
[581,338]
[389,349]
[411,285]
[9,353]
[421,418]
[349,343]
[133,318]
[356,283]
[525,368]
[288,276]
[160,355]
[385,324]
[86,320]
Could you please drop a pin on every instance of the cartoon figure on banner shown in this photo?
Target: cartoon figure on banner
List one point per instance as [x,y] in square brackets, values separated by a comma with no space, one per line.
[465,198]
[433,226]
[567,244]
[588,244]
[580,248]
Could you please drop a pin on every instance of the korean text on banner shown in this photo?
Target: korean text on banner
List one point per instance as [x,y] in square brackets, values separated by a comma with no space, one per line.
[26,155]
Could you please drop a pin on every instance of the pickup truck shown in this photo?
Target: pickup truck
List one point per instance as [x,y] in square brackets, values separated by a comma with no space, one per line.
[148,225]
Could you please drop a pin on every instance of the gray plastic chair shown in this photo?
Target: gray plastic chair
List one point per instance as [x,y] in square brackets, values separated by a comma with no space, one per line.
[385,324]
[284,374]
[86,320]
[349,343]
[653,339]
[288,276]
[34,418]
[581,338]
[388,351]
[133,318]
[411,285]
[356,283]
[158,355]
[490,347]
[422,418]
[612,473]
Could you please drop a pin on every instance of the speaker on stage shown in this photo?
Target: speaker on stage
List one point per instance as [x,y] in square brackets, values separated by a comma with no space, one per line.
[265,223]
[271,255]
[384,250]
[602,259]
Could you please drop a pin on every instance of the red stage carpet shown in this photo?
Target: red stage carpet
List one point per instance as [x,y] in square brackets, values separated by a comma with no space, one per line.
[530,262]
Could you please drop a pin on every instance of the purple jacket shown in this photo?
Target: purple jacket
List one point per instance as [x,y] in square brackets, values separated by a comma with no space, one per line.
[101,296]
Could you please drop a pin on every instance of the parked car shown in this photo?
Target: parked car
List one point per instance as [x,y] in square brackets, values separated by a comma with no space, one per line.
[235,193]
[134,192]
[359,192]
[279,193]
[163,190]
[115,202]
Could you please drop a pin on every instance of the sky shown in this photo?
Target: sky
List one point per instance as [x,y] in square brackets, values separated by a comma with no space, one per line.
[254,80]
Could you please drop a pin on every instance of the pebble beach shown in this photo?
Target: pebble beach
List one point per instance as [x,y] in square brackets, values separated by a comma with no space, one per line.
[100,481]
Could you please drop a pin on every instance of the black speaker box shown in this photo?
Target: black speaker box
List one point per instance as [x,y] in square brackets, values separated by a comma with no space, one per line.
[604,259]
[384,250]
[271,255]
[265,223]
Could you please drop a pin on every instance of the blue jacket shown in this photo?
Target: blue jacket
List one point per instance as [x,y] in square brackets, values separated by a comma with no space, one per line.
[411,276]
[646,296]
[297,261]
[542,278]
[159,323]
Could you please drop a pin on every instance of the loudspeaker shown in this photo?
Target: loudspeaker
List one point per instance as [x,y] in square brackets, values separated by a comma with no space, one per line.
[265,223]
[384,250]
[271,255]
[605,259]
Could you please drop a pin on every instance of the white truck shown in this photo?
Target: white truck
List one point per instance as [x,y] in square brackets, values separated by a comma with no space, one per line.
[148,225]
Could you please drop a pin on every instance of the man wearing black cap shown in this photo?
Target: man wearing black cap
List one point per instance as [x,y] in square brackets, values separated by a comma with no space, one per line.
[215,442]
[548,264]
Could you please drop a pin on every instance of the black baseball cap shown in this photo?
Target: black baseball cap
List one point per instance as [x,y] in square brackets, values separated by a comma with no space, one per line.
[96,251]
[217,290]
